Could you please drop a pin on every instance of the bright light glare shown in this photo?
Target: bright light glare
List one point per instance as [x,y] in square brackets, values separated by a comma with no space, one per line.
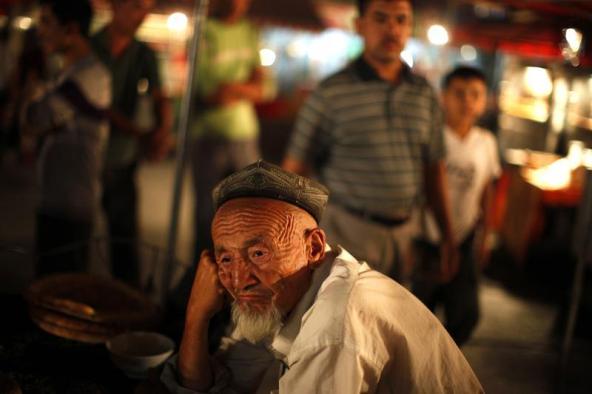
[438,35]
[554,176]
[267,57]
[587,160]
[23,23]
[407,58]
[468,53]
[537,82]
[177,21]
[331,43]
[574,39]
[296,48]
[575,153]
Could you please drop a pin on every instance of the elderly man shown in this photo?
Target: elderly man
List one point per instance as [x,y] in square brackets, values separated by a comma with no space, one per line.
[307,317]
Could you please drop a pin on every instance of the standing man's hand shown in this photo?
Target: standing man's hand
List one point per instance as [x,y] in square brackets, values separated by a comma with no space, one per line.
[227,94]
[437,196]
[449,261]
[160,142]
[230,93]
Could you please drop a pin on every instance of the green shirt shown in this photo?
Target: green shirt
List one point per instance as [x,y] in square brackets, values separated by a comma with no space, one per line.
[229,53]
[135,67]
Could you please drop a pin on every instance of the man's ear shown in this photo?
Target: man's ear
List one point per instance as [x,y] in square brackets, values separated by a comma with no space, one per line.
[315,247]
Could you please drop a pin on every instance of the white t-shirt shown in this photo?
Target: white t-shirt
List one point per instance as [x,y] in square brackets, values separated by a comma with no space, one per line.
[354,331]
[71,159]
[471,163]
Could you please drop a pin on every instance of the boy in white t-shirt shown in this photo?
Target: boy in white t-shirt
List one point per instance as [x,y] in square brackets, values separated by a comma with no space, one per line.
[472,164]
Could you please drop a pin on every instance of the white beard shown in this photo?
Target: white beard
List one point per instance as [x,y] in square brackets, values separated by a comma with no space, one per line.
[254,326]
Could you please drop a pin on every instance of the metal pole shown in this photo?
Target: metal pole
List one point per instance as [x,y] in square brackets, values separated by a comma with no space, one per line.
[582,237]
[199,17]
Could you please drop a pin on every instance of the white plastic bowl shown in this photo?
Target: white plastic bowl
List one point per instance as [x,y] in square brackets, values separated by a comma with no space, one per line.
[136,352]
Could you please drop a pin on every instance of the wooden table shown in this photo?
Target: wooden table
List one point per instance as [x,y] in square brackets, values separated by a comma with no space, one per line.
[42,363]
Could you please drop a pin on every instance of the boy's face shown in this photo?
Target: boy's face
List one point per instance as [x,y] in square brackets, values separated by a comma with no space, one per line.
[385,27]
[464,100]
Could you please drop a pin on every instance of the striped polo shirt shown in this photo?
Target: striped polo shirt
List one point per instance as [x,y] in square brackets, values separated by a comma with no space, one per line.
[368,139]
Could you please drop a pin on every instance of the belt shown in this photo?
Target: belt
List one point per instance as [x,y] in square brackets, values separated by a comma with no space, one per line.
[378,219]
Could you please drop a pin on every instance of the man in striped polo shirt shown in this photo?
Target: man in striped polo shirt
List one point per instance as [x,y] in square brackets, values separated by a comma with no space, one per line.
[373,134]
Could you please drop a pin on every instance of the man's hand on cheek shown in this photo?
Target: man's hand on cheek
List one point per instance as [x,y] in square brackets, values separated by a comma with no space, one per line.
[207,293]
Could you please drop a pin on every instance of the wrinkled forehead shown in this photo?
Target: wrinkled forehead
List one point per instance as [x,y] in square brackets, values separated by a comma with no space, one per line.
[263,216]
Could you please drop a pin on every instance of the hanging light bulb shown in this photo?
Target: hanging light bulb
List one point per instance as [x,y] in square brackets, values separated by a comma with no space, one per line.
[572,45]
[438,35]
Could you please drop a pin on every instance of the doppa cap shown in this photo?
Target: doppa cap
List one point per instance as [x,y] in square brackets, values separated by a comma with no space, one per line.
[262,179]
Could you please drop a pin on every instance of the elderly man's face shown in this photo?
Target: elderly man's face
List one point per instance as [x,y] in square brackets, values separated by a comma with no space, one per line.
[262,248]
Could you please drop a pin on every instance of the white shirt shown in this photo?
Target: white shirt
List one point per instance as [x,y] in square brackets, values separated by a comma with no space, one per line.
[354,331]
[471,163]
[71,159]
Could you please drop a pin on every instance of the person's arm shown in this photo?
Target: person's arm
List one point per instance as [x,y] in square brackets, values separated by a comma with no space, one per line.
[230,92]
[252,89]
[207,297]
[484,233]
[436,190]
[161,139]
[310,140]
[46,111]
[122,123]
[161,132]
[296,166]
[438,201]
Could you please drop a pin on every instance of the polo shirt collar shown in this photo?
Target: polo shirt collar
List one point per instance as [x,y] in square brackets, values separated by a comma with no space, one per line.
[366,73]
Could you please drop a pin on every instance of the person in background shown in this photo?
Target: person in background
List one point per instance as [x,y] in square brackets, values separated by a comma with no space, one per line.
[71,113]
[472,164]
[134,70]
[307,317]
[373,134]
[22,66]
[225,128]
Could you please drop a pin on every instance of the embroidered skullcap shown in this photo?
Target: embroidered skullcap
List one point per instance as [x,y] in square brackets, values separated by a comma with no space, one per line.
[262,179]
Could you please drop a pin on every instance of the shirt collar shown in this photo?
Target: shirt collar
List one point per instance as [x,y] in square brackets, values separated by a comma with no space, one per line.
[366,73]
[452,134]
[102,46]
[282,342]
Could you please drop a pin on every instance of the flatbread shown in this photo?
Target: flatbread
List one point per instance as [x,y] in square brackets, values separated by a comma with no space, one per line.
[39,314]
[73,307]
[92,298]
[77,335]
[89,308]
